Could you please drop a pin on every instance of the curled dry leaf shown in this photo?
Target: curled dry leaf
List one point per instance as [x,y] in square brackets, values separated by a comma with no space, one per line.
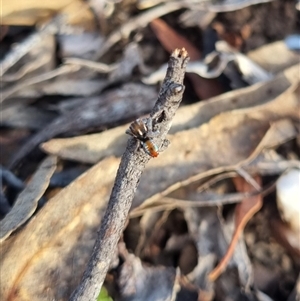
[250,71]
[49,265]
[170,39]
[139,282]
[132,58]
[243,213]
[27,200]
[224,60]
[204,227]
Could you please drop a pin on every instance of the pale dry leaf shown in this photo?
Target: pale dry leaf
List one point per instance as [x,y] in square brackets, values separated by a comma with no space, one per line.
[251,72]
[27,200]
[279,132]
[89,148]
[30,12]
[53,248]
[274,57]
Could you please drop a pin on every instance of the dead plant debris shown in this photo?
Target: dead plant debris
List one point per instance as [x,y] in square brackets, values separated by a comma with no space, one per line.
[204,223]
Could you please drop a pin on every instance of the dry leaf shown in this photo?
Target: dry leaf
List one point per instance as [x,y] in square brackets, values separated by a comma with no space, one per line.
[243,213]
[30,12]
[53,248]
[188,193]
[274,57]
[104,110]
[170,39]
[27,200]
[140,282]
[92,148]
[24,116]
[234,134]
[37,58]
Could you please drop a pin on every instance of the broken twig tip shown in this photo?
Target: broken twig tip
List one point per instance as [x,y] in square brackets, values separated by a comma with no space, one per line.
[181,53]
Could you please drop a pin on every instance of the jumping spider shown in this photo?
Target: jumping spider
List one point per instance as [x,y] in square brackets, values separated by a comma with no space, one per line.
[141,130]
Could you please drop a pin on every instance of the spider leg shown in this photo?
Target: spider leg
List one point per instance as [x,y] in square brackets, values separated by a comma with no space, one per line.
[138,145]
[164,145]
[152,132]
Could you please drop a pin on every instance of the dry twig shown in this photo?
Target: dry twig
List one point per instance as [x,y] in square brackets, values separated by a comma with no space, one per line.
[131,167]
[22,48]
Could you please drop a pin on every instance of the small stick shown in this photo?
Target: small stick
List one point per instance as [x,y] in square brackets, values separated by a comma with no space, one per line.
[24,47]
[132,165]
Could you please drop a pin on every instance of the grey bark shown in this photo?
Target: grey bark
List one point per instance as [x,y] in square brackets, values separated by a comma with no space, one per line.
[132,165]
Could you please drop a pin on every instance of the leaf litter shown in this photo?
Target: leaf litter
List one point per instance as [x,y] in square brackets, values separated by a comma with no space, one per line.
[202,223]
